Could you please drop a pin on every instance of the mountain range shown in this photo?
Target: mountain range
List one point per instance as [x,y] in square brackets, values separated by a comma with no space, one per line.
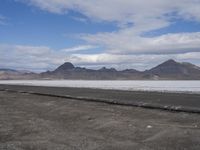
[168,70]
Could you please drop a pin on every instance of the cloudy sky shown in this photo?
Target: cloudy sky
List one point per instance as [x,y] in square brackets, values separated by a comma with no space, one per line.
[39,35]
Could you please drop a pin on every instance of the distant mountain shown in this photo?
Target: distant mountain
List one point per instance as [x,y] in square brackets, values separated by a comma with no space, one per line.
[69,71]
[7,70]
[10,74]
[175,70]
[14,71]
[104,69]
[65,67]
[168,70]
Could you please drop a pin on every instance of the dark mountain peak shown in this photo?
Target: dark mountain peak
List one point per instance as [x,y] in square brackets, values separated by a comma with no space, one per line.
[167,67]
[103,68]
[174,69]
[169,63]
[107,69]
[113,69]
[64,67]
[130,71]
[171,60]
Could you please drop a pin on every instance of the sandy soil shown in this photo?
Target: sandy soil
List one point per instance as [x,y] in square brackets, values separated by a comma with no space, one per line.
[33,122]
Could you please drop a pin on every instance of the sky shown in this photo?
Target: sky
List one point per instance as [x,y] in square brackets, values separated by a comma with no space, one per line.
[39,35]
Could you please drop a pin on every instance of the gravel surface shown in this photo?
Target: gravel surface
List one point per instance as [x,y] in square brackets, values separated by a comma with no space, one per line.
[184,102]
[37,122]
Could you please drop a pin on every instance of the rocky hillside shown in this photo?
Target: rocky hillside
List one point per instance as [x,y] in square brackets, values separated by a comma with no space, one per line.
[169,70]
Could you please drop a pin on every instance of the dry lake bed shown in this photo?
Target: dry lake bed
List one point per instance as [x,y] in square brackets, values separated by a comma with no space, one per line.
[60,118]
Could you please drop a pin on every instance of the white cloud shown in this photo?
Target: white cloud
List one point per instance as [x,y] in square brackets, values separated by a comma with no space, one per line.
[79,48]
[42,58]
[120,61]
[29,57]
[134,17]
[121,11]
[125,48]
[80,19]
[124,42]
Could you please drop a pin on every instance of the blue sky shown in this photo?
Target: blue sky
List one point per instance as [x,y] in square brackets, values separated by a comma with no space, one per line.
[32,26]
[39,35]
